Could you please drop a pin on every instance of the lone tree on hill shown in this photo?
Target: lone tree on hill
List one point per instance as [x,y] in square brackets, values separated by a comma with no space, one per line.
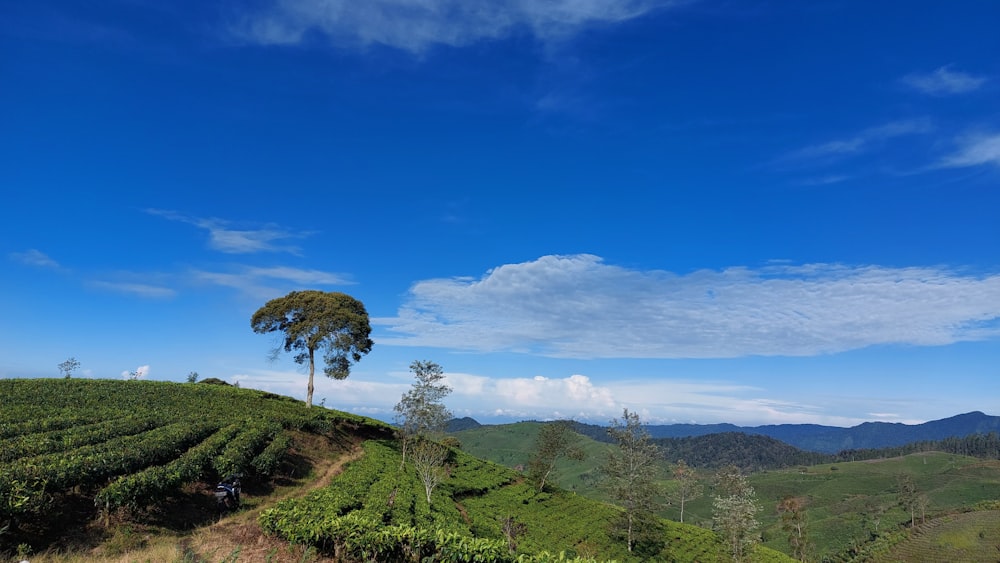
[908,496]
[420,412]
[734,513]
[68,367]
[630,477]
[555,440]
[421,415]
[688,487]
[335,323]
[792,511]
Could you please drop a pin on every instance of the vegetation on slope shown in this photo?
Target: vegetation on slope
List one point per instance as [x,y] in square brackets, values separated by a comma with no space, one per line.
[120,459]
[844,502]
[79,449]
[376,511]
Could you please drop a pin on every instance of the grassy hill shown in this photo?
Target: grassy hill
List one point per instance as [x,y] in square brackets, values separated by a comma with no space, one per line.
[511,445]
[107,470]
[842,499]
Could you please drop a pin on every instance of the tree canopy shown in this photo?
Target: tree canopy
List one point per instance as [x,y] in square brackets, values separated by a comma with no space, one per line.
[555,440]
[421,411]
[421,414]
[332,322]
[630,475]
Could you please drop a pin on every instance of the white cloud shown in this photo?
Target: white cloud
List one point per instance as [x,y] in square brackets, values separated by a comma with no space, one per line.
[237,241]
[415,25]
[943,82]
[975,150]
[547,398]
[865,140]
[139,289]
[579,307]
[138,373]
[33,257]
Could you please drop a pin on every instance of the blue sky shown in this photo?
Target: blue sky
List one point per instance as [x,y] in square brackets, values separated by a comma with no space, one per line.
[703,211]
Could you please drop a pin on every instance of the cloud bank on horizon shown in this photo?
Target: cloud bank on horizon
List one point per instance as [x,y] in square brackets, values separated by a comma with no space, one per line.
[580,307]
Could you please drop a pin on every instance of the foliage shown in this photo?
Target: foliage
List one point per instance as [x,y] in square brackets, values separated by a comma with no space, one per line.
[793,522]
[67,368]
[62,436]
[907,495]
[844,508]
[420,412]
[375,504]
[747,451]
[555,440]
[734,513]
[311,320]
[688,486]
[630,474]
[429,461]
[192,377]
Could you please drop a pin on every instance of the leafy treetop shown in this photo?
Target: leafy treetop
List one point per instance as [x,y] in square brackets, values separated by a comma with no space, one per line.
[312,320]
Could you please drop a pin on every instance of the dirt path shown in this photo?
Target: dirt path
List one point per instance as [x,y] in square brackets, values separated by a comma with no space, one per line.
[238,537]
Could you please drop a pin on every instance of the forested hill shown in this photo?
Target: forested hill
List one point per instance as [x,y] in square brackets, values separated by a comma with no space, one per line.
[831,439]
[746,451]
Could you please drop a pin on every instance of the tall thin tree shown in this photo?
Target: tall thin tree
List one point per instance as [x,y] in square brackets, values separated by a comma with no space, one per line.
[420,413]
[630,474]
[556,440]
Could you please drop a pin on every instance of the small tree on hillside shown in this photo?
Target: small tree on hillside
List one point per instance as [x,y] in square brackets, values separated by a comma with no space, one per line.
[874,511]
[555,440]
[630,477]
[907,496]
[68,367]
[688,487]
[734,513]
[333,323]
[429,461]
[420,412]
[793,522]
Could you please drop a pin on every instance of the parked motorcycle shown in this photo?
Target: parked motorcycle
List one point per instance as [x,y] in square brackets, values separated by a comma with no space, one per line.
[227,493]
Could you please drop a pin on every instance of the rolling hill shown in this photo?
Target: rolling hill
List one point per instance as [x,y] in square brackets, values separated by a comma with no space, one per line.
[110,470]
[842,498]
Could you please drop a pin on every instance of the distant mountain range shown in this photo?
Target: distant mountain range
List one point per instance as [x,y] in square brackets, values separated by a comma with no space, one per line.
[815,437]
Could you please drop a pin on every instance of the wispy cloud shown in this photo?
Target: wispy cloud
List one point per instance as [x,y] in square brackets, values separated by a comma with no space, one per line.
[579,307]
[418,24]
[224,238]
[33,257]
[825,180]
[865,140]
[943,82]
[974,150]
[266,283]
[137,289]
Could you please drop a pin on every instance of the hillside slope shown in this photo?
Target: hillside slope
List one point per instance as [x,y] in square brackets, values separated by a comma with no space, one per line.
[98,467]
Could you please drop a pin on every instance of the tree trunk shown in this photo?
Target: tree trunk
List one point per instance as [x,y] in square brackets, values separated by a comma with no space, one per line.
[312,370]
[630,533]
[541,484]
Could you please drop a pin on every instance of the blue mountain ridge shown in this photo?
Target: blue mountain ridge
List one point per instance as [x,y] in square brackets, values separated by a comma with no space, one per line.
[833,439]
